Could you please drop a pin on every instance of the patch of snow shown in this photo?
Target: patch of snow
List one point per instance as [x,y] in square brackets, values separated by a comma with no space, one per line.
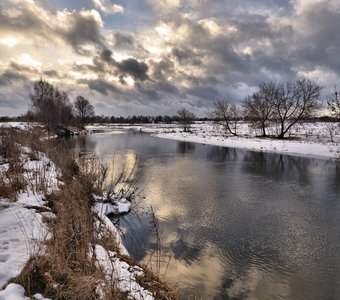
[19,125]
[120,207]
[121,274]
[21,232]
[104,225]
[13,292]
[30,200]
[17,292]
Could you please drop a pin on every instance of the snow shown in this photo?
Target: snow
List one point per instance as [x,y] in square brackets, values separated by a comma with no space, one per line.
[21,231]
[19,125]
[104,225]
[121,273]
[120,207]
[17,292]
[310,139]
[13,292]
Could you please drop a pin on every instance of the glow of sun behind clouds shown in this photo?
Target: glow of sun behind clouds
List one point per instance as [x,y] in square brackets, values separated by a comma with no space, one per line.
[9,41]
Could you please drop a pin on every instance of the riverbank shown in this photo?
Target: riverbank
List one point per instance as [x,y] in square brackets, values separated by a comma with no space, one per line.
[56,241]
[317,139]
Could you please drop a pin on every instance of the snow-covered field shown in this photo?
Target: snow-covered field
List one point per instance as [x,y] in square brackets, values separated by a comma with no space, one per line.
[317,139]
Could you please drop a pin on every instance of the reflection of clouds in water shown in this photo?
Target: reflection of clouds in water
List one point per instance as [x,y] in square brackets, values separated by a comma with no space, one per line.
[240,224]
[122,170]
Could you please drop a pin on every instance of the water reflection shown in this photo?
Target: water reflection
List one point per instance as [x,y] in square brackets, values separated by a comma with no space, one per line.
[234,224]
[185,147]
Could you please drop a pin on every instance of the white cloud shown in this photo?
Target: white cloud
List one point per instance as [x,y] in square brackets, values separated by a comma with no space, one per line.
[108,8]
[165,5]
[25,59]
[9,41]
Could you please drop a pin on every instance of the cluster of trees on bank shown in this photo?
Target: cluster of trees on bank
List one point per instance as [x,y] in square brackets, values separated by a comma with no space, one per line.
[52,107]
[282,103]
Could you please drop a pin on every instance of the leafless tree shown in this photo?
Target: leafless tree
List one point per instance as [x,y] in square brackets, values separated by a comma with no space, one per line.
[84,110]
[334,104]
[259,107]
[50,106]
[227,114]
[185,118]
[295,101]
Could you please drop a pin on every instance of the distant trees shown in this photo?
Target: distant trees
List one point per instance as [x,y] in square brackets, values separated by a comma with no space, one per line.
[228,114]
[50,106]
[185,119]
[84,110]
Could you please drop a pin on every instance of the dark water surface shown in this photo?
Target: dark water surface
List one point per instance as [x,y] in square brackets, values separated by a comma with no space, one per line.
[233,224]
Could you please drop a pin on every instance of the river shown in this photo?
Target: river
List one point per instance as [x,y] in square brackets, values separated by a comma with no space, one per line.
[230,224]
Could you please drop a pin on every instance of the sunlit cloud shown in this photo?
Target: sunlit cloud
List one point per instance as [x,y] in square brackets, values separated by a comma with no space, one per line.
[9,41]
[107,7]
[26,60]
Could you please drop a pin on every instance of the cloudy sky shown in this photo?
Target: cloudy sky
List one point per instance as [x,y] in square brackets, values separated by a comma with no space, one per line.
[153,57]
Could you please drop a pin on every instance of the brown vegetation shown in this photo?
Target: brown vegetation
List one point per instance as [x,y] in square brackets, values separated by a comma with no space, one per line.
[65,267]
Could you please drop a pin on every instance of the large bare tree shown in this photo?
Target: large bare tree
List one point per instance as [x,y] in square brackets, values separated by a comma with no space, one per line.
[259,107]
[295,101]
[84,110]
[227,114]
[185,118]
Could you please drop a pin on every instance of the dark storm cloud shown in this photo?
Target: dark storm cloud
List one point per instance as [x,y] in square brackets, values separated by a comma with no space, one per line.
[123,41]
[187,56]
[51,74]
[82,29]
[106,56]
[24,22]
[138,70]
[9,77]
[12,101]
[101,86]
[77,29]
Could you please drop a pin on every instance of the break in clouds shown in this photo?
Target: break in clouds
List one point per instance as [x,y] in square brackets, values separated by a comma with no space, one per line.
[154,57]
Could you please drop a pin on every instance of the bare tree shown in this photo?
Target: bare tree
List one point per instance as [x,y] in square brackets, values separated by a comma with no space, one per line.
[185,118]
[334,104]
[295,101]
[50,106]
[84,110]
[227,114]
[259,107]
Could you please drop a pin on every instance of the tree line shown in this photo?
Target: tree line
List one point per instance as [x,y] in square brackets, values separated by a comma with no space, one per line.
[280,103]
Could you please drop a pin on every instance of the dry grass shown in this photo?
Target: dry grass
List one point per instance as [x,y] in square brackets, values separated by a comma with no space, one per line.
[63,267]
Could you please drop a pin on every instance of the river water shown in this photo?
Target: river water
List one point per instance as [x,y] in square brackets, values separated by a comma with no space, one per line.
[230,224]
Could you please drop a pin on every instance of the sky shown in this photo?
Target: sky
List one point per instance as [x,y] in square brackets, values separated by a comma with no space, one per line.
[151,57]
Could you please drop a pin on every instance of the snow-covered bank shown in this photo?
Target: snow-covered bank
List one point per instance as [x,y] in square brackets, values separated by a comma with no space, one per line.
[306,139]
[21,231]
[36,207]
